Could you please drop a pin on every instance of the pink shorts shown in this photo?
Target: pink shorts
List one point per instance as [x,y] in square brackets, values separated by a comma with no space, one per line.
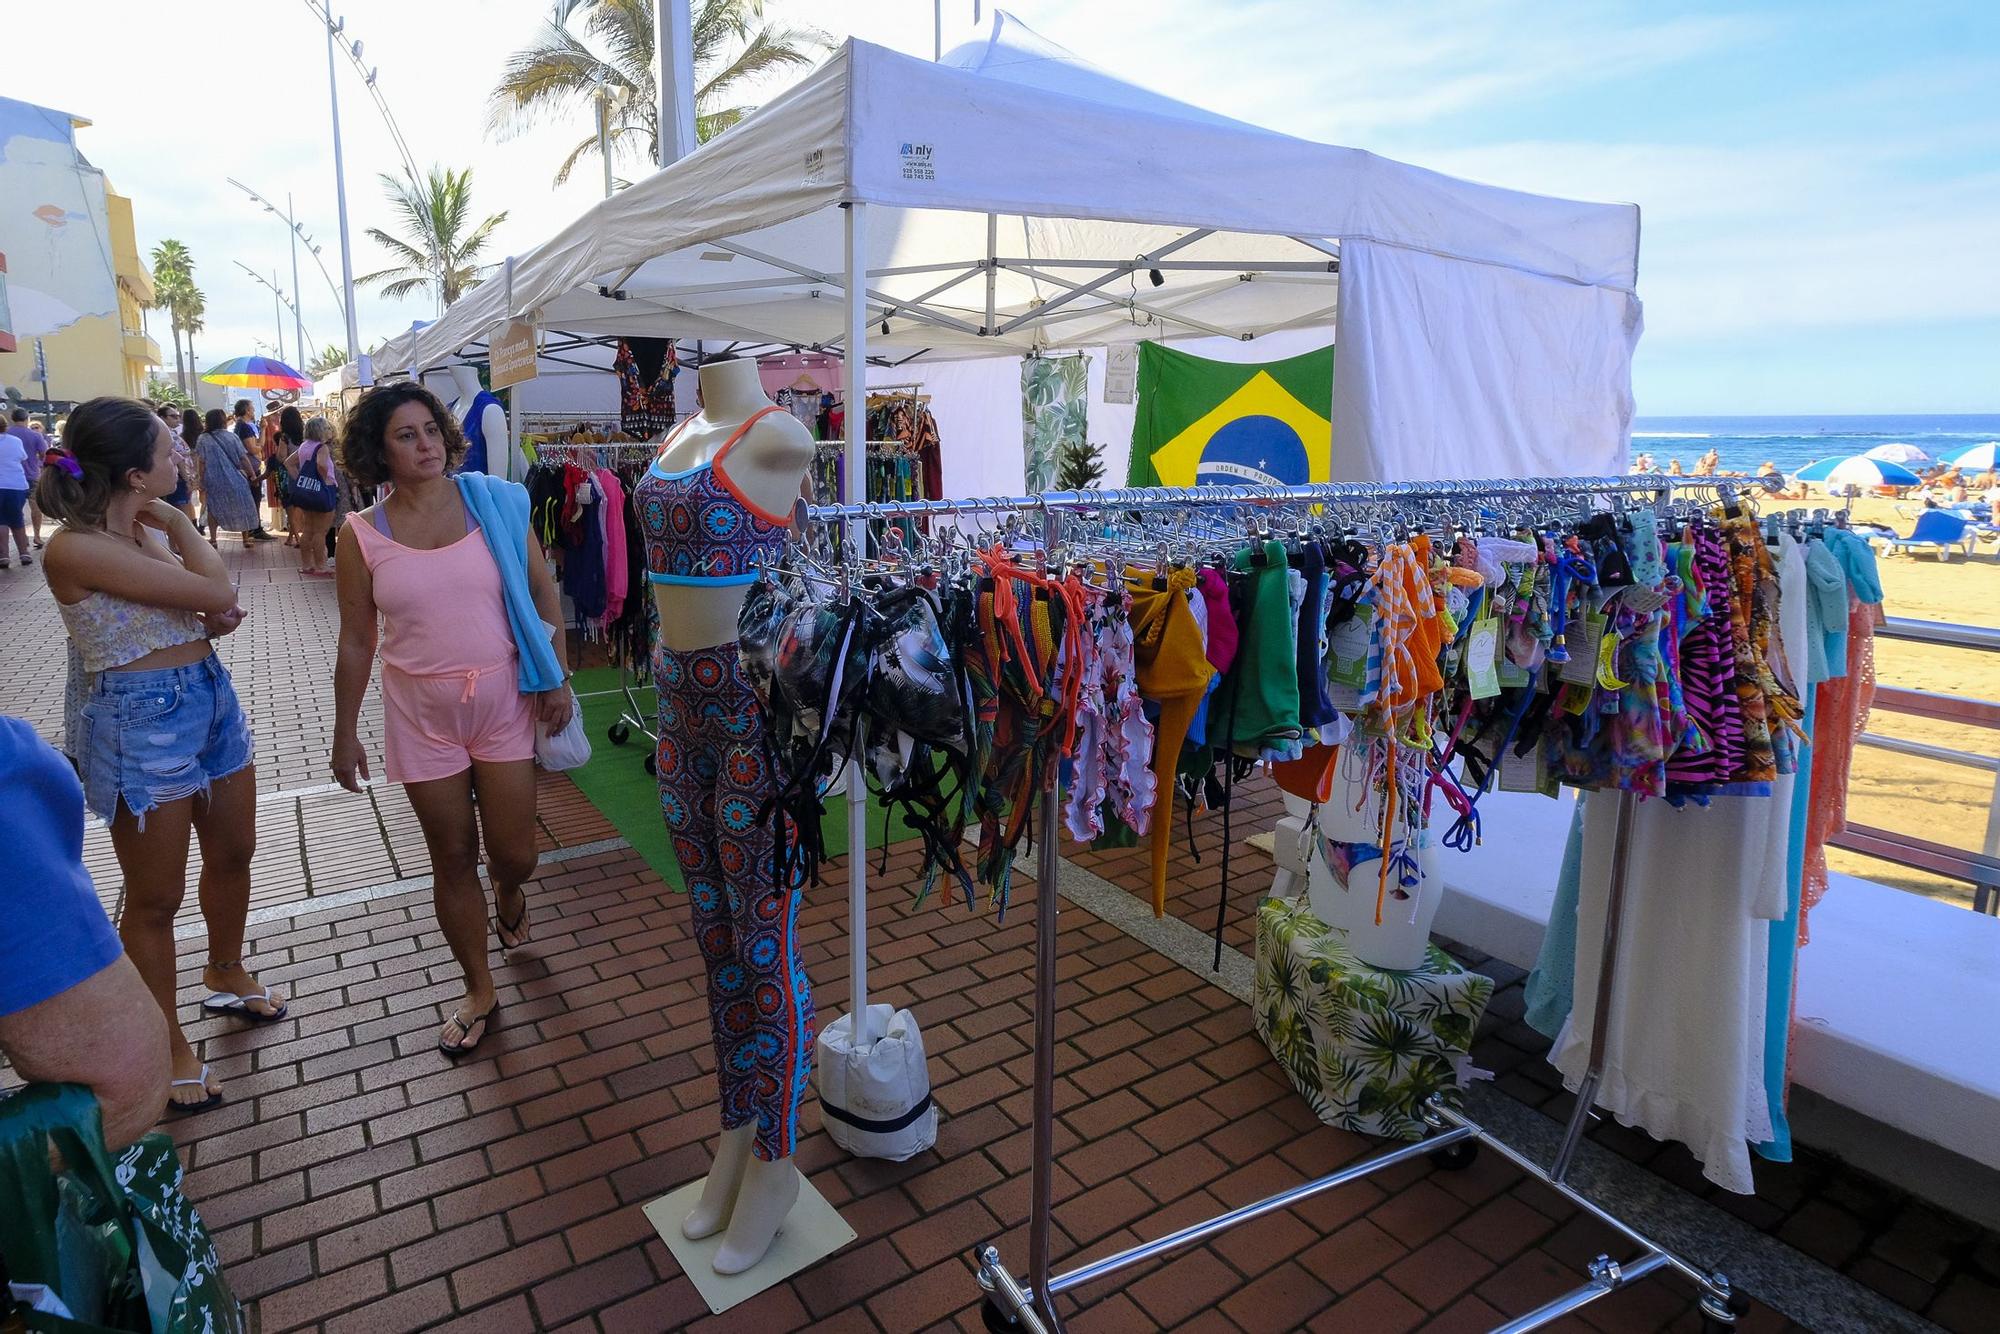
[436,726]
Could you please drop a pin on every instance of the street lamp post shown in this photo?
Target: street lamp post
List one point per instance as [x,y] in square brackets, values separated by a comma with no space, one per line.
[340,197]
[298,320]
[300,233]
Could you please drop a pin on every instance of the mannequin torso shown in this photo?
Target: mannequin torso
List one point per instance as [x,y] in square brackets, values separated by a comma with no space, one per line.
[492,421]
[766,466]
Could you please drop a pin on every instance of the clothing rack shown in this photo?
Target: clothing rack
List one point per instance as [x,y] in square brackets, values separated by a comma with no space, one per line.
[632,714]
[1029,1304]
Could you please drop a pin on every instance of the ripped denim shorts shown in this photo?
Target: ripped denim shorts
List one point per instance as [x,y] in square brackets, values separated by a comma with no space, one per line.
[151,737]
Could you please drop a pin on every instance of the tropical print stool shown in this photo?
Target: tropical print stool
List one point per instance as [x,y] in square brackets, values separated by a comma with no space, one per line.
[1364,1046]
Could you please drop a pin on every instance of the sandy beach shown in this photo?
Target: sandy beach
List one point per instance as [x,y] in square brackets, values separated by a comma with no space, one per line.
[1945,803]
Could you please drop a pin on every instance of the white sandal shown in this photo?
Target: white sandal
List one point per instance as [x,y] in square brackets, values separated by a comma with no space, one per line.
[228,1002]
[213,1099]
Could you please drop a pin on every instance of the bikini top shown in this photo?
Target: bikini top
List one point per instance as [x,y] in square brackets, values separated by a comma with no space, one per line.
[698,528]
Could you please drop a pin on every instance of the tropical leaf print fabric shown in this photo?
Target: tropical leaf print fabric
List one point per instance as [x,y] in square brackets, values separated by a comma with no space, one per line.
[1364,1046]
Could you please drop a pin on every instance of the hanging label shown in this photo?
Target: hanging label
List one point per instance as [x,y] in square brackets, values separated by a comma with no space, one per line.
[1581,638]
[1347,647]
[1121,373]
[1482,649]
[1523,773]
[1513,676]
[1574,699]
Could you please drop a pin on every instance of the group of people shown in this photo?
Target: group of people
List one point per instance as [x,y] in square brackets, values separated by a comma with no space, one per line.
[443,575]
[1708,465]
[22,445]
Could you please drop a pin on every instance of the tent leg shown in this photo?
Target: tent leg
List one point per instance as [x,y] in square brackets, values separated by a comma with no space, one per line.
[856,470]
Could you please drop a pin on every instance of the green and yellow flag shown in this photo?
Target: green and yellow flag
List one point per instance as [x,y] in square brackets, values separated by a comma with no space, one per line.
[1202,422]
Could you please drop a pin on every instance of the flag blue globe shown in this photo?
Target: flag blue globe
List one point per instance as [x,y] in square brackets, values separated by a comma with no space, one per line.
[1253,451]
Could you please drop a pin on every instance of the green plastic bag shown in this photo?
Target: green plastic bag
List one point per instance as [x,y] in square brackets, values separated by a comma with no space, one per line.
[114,1239]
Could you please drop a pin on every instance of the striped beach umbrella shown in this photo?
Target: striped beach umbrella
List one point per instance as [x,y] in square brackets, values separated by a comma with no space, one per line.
[1858,470]
[1977,458]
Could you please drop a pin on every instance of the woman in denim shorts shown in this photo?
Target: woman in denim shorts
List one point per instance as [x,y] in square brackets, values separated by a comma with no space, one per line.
[160,741]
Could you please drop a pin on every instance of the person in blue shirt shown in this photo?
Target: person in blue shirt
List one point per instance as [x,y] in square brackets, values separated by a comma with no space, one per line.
[73,1009]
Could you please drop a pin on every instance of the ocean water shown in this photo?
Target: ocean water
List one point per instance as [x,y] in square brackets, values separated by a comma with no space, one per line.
[1792,442]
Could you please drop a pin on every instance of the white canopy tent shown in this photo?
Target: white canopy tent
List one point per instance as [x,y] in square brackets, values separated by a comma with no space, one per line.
[1016,198]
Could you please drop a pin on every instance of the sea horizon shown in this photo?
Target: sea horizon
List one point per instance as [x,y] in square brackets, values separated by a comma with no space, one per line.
[1791,440]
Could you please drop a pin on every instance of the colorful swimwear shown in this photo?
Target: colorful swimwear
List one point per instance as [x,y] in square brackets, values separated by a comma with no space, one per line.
[699,529]
[715,782]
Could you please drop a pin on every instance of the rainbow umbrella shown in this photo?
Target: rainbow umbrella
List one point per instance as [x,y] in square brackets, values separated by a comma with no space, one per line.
[257,373]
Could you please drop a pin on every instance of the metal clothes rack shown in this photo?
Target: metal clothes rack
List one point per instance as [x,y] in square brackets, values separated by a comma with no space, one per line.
[1028,1304]
[631,714]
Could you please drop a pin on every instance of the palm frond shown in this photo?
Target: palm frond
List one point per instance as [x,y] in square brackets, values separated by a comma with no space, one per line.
[409,254]
[543,78]
[772,48]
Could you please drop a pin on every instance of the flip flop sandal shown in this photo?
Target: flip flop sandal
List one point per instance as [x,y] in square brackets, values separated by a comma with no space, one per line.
[485,1022]
[228,1002]
[189,1108]
[513,928]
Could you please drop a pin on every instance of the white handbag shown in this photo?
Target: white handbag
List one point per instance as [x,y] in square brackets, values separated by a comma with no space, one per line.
[566,749]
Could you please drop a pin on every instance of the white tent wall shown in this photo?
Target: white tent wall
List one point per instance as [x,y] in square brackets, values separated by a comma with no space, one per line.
[1445,369]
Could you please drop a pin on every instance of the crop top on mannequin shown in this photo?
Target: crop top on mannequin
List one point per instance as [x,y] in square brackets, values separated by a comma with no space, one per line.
[700,530]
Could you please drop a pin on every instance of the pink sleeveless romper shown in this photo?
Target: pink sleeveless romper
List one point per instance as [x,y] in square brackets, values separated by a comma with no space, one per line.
[450,686]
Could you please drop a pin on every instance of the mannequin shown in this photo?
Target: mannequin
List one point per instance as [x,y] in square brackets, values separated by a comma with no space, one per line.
[482,419]
[714,503]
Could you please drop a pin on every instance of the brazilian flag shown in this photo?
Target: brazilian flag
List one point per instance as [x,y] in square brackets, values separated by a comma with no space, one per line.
[1203,422]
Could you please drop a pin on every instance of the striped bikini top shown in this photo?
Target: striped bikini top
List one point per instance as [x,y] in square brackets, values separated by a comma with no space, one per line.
[699,529]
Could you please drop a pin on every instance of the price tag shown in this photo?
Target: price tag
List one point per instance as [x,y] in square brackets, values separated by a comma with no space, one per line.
[1482,649]
[1347,650]
[1523,773]
[1581,639]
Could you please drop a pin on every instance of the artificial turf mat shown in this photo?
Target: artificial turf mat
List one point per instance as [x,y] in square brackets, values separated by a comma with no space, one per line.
[616,782]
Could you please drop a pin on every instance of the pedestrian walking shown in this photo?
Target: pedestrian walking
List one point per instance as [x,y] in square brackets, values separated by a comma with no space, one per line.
[228,474]
[471,664]
[313,486]
[161,742]
[29,431]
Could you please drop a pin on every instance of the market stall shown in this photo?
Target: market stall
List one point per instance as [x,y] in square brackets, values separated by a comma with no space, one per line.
[1015,198]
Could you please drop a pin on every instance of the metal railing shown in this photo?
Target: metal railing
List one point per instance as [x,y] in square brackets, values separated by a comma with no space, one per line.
[1980,869]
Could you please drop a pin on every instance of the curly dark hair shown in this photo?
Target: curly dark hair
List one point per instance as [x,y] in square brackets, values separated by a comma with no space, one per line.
[364,440]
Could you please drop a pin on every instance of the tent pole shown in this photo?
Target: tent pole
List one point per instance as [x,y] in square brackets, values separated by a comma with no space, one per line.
[855,364]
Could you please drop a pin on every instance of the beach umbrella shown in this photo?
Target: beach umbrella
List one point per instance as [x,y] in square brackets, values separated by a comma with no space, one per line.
[1908,455]
[1858,470]
[257,373]
[1977,458]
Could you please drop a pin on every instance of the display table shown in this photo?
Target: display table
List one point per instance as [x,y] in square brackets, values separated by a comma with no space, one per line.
[1364,1046]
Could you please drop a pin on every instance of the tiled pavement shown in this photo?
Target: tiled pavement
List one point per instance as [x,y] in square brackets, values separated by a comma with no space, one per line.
[359,1181]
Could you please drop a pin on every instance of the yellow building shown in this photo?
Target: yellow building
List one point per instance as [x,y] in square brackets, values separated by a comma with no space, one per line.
[74,276]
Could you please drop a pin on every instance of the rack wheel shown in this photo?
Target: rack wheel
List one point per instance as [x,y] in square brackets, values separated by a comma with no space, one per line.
[1456,1157]
[1739,1306]
[652,765]
[619,734]
[997,1318]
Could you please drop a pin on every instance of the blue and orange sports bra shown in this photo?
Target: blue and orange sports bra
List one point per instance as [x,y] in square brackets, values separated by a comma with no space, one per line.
[698,528]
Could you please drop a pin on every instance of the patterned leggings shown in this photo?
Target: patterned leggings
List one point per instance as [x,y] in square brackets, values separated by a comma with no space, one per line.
[714,778]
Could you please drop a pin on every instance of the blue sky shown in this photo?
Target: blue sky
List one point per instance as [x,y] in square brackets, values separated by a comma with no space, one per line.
[1820,182]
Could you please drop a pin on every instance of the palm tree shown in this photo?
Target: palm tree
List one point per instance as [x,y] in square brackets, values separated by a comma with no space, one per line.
[193,311]
[173,280]
[436,252]
[325,361]
[559,70]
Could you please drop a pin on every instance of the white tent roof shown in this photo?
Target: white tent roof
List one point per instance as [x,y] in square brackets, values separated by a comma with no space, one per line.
[1075,182]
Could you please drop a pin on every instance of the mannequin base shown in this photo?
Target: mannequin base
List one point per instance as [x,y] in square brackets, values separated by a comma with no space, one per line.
[809,1233]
